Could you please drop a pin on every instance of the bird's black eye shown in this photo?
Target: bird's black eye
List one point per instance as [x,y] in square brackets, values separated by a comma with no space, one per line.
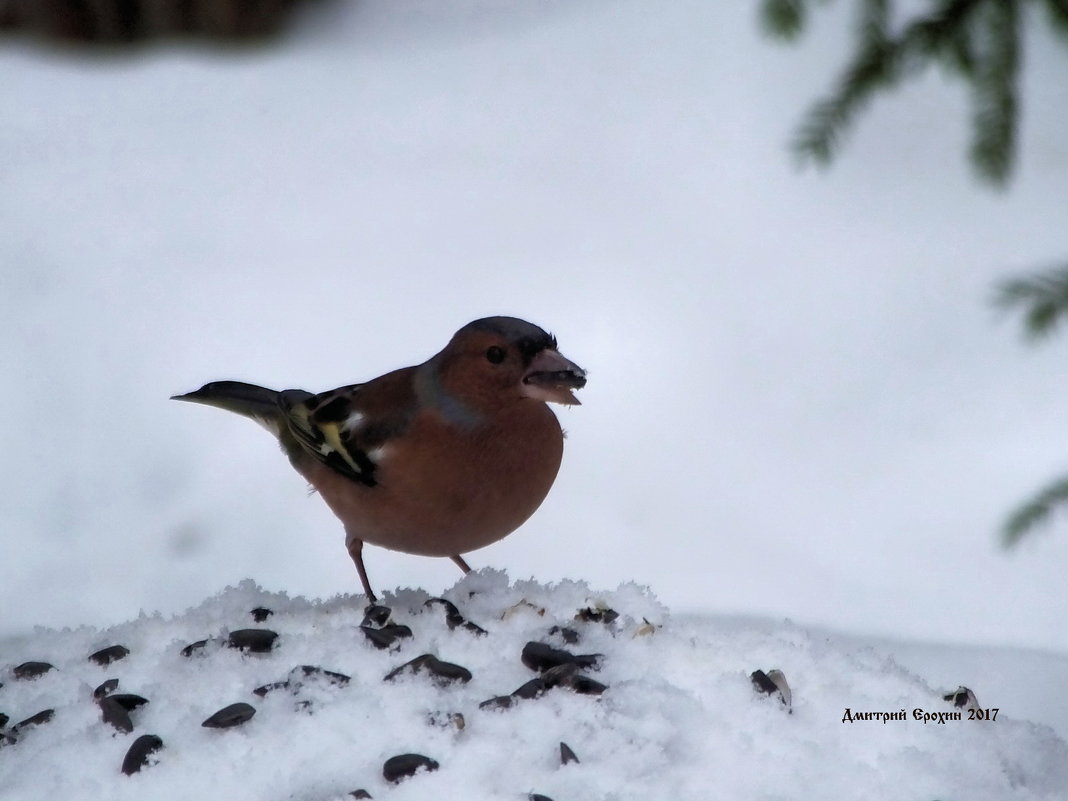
[495,354]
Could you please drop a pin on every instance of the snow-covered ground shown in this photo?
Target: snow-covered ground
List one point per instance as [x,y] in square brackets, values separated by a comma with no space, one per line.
[667,712]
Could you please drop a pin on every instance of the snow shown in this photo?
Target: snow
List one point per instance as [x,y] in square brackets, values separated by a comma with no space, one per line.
[680,718]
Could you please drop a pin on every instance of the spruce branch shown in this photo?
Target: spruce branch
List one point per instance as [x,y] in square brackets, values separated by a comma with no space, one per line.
[817,138]
[977,39]
[994,91]
[1058,16]
[784,19]
[874,22]
[1043,297]
[933,35]
[1035,512]
[960,55]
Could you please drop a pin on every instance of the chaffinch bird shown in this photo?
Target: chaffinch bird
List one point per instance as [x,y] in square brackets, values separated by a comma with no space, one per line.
[437,459]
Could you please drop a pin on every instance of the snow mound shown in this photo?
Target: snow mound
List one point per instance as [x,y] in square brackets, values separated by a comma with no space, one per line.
[667,711]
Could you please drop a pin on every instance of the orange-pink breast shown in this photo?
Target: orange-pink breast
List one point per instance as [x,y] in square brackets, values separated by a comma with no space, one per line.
[443,490]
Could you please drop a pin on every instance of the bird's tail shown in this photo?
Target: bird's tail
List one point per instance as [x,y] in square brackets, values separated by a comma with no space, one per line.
[249,400]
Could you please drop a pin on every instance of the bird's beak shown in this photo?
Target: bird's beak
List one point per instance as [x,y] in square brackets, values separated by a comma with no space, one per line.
[551,378]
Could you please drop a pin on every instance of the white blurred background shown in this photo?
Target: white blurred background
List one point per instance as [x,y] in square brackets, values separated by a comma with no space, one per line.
[801,403]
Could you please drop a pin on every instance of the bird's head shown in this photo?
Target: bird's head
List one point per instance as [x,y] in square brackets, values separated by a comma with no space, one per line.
[499,359]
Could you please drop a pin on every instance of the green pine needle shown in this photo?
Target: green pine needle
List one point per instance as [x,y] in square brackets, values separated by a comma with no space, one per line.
[994,94]
[1043,298]
[784,19]
[978,39]
[824,125]
[1035,512]
[873,23]
[960,54]
[1058,15]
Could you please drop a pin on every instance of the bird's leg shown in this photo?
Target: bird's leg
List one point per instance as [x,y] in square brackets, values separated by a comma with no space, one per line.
[355,547]
[460,563]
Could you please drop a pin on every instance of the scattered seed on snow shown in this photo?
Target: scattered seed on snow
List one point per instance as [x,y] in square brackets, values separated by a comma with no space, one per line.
[568,635]
[376,615]
[566,754]
[106,688]
[442,672]
[43,716]
[194,648]
[602,614]
[453,618]
[230,716]
[446,720]
[541,657]
[32,670]
[773,682]
[138,753]
[116,714]
[387,636]
[405,765]
[256,641]
[261,613]
[113,653]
